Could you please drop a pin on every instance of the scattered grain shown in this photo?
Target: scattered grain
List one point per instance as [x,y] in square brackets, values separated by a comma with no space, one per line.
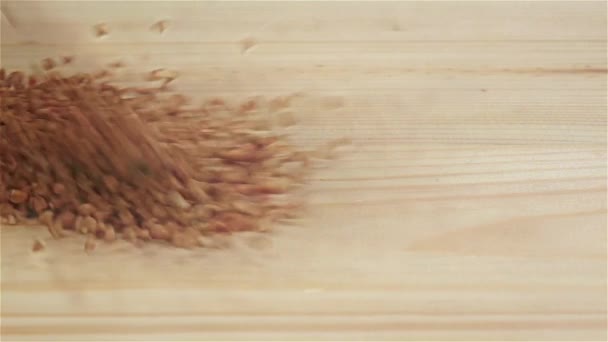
[67,59]
[86,209]
[160,26]
[159,232]
[184,240]
[38,204]
[58,188]
[46,218]
[89,245]
[11,220]
[37,246]
[162,74]
[84,224]
[177,200]
[66,220]
[48,64]
[143,234]
[247,44]
[87,156]
[15,79]
[56,230]
[110,234]
[116,64]
[129,234]
[17,196]
[101,30]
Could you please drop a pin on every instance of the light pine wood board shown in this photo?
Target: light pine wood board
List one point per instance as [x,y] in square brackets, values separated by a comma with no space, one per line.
[471,205]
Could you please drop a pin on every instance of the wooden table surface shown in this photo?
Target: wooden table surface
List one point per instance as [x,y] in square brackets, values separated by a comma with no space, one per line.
[471,204]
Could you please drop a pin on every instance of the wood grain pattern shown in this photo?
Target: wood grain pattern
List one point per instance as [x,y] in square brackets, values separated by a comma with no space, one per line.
[471,205]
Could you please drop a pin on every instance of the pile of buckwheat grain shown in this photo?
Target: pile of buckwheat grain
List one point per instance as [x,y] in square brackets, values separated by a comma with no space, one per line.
[141,163]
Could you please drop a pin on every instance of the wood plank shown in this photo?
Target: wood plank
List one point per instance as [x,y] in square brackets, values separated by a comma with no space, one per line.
[471,205]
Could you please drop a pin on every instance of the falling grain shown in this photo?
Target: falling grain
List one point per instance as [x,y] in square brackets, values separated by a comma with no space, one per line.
[142,164]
